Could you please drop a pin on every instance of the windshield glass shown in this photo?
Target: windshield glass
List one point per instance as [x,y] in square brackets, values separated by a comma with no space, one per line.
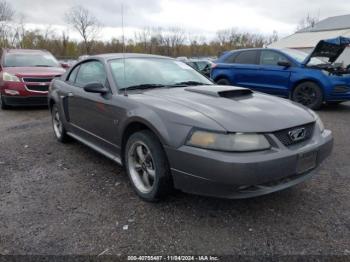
[30,60]
[301,56]
[153,71]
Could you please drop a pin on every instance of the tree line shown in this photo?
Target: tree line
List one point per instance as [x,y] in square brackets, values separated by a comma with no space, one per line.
[170,41]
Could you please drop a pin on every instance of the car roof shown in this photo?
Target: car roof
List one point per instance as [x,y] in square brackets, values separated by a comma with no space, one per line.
[125,55]
[253,49]
[199,60]
[24,51]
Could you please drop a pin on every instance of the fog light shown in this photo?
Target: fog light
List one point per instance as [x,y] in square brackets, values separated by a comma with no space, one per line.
[11,92]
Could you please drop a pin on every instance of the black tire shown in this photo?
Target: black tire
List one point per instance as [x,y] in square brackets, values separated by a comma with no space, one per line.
[59,132]
[162,184]
[3,105]
[308,94]
[223,82]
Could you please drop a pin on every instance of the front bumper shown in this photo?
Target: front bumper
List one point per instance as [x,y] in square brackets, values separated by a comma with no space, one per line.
[25,100]
[24,96]
[338,97]
[243,175]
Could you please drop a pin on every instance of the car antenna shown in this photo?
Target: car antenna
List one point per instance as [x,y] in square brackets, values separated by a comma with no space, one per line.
[123,39]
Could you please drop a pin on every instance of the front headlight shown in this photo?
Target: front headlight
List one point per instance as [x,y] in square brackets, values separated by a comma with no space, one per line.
[237,142]
[319,123]
[10,78]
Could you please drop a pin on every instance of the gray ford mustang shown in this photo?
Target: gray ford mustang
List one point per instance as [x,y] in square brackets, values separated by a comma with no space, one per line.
[173,128]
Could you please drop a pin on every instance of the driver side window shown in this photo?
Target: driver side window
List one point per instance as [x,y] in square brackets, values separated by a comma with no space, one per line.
[268,57]
[91,72]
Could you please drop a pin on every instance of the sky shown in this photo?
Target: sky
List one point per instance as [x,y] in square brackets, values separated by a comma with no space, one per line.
[198,17]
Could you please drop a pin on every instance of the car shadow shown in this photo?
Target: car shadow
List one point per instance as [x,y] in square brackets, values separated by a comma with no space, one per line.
[338,108]
[27,108]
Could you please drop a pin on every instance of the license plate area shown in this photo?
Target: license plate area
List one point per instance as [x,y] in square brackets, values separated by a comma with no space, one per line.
[306,162]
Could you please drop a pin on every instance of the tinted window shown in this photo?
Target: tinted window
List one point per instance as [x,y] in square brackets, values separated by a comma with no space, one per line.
[30,60]
[193,65]
[246,57]
[271,58]
[73,75]
[91,72]
[231,58]
[202,65]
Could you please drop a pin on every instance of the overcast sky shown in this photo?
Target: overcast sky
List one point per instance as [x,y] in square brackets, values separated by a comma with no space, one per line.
[202,17]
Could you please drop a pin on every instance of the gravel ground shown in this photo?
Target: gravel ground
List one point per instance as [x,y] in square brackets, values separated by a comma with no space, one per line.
[66,199]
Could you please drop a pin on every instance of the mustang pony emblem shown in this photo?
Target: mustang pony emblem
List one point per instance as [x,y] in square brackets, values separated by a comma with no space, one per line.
[297,134]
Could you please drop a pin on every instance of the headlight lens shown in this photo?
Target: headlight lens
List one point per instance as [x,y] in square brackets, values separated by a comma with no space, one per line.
[319,123]
[10,78]
[239,142]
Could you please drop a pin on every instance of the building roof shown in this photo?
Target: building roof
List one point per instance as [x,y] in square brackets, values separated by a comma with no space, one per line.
[308,39]
[330,23]
[330,27]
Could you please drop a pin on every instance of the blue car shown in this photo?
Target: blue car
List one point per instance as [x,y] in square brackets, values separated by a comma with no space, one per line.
[307,79]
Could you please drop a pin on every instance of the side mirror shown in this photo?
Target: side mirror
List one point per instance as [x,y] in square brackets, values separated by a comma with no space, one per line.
[65,65]
[284,63]
[95,88]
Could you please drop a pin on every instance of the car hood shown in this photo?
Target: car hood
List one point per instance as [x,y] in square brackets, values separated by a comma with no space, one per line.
[329,48]
[35,71]
[237,109]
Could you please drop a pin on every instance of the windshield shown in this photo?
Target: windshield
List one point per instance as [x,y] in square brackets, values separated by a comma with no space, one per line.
[301,56]
[30,60]
[154,71]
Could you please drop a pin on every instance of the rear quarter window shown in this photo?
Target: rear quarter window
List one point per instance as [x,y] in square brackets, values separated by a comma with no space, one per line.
[246,57]
[231,58]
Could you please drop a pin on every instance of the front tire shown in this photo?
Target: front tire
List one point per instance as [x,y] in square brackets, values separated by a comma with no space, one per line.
[147,166]
[58,127]
[308,94]
[223,82]
[3,105]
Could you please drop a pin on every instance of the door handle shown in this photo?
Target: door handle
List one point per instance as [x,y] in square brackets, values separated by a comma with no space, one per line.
[70,94]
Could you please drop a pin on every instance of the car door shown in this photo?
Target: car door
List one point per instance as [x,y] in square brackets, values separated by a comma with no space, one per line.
[91,114]
[273,78]
[244,67]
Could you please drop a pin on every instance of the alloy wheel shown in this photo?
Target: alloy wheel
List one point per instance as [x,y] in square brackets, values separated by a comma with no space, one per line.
[306,95]
[141,167]
[57,124]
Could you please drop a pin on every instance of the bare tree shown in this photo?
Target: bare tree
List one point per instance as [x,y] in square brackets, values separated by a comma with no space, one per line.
[6,15]
[82,20]
[308,21]
[6,11]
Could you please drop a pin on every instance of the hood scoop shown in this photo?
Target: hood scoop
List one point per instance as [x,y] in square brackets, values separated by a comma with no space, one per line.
[220,91]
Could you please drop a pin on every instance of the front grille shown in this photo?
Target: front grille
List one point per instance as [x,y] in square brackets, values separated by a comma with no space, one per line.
[284,137]
[41,88]
[37,80]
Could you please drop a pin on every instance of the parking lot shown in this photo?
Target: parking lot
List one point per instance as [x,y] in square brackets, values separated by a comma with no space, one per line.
[67,199]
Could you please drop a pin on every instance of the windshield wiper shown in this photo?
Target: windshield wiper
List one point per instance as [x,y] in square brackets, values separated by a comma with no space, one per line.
[142,87]
[43,66]
[190,83]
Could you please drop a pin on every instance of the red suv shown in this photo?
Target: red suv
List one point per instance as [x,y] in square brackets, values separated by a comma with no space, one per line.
[25,76]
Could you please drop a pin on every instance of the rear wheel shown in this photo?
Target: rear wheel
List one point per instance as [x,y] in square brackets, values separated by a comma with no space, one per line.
[308,94]
[223,82]
[58,127]
[3,105]
[147,166]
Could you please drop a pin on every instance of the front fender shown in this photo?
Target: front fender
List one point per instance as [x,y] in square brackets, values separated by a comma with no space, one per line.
[314,76]
[155,124]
